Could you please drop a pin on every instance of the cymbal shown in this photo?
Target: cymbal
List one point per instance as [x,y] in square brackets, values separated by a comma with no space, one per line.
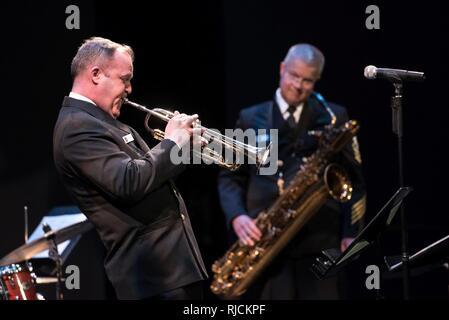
[29,250]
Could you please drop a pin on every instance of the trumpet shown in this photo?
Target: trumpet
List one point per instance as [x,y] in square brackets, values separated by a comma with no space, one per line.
[259,155]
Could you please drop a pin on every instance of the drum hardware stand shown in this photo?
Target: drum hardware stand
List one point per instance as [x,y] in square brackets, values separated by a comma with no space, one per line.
[56,257]
[25,212]
[25,209]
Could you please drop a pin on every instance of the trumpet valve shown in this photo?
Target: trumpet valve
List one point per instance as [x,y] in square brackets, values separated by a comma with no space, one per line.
[158,134]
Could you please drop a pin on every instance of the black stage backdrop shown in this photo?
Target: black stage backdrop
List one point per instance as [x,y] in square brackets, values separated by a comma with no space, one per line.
[214,58]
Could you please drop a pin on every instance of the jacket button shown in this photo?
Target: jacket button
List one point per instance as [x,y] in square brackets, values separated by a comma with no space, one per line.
[182,216]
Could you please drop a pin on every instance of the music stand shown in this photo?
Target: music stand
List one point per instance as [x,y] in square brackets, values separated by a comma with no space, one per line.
[331,261]
[435,253]
[59,218]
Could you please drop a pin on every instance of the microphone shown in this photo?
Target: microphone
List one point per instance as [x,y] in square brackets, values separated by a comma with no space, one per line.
[394,75]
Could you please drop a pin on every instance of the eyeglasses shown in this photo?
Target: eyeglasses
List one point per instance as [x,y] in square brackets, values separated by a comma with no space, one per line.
[306,82]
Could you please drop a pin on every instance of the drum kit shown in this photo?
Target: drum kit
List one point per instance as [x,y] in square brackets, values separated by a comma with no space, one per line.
[17,278]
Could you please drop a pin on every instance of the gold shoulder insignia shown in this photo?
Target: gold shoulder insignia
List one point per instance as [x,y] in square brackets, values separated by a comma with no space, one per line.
[356,150]
[358,210]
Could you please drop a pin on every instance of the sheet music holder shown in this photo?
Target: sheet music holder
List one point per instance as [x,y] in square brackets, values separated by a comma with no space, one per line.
[58,218]
[433,254]
[331,261]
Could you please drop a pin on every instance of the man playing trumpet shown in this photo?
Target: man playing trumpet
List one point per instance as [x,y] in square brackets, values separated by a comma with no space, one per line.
[123,187]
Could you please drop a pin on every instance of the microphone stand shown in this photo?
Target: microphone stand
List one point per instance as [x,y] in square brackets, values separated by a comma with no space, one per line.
[56,257]
[396,106]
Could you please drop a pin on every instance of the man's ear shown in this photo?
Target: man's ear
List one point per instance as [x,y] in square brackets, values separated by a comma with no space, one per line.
[281,68]
[95,74]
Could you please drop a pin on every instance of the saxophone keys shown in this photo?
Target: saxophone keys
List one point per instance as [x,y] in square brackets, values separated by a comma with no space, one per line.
[290,213]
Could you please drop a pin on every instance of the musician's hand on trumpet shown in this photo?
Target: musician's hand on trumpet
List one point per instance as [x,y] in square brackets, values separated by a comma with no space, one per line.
[180,128]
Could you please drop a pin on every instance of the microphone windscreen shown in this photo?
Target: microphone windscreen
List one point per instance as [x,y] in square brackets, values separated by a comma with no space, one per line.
[370,72]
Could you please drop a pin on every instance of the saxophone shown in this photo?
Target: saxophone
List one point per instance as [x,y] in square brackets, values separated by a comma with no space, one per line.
[311,187]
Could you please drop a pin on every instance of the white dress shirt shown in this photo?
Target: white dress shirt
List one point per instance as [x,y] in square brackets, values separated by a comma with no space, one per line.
[78,96]
[283,106]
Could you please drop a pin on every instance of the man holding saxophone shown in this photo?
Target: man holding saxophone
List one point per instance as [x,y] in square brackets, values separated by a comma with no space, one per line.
[123,187]
[295,111]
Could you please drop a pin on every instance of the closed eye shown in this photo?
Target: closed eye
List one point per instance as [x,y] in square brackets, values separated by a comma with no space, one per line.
[126,79]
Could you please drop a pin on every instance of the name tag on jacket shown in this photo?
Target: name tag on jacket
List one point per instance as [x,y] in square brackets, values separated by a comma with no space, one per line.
[128,138]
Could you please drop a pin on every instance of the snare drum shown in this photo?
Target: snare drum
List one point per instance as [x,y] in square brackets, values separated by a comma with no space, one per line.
[17,282]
